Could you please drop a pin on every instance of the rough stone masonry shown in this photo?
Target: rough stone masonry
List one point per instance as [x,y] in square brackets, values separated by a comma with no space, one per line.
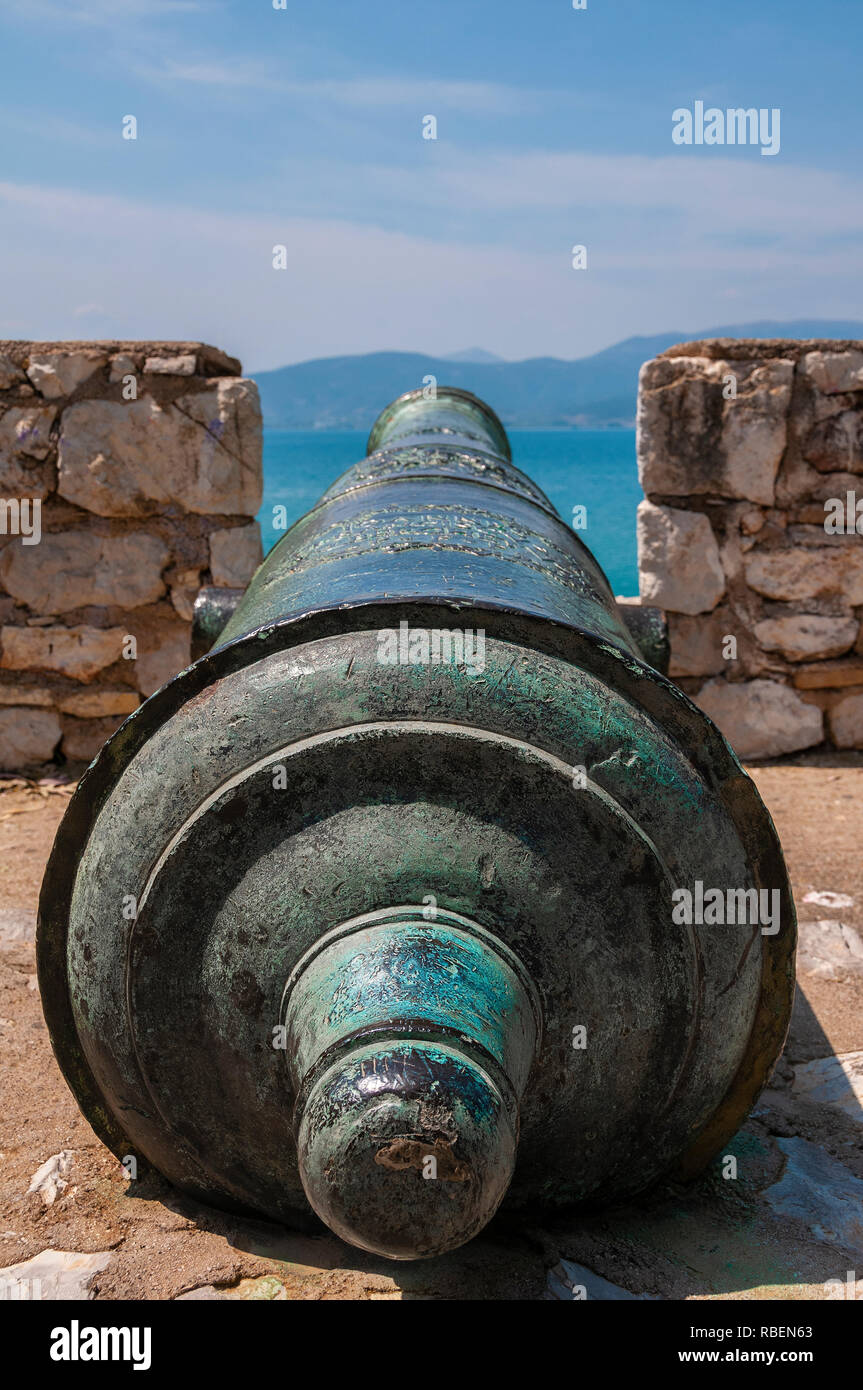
[750,454]
[142,461]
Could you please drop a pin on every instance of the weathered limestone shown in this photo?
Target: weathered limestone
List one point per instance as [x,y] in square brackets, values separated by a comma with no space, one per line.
[830,674]
[834,372]
[778,425]
[761,718]
[846,721]
[158,663]
[829,949]
[25,694]
[80,652]
[58,374]
[27,737]
[83,738]
[185,585]
[26,430]
[697,642]
[694,437]
[678,560]
[181,365]
[235,555]
[25,441]
[119,459]
[122,366]
[231,416]
[10,375]
[96,704]
[136,453]
[835,445]
[835,1081]
[75,568]
[807,636]
[60,1275]
[821,572]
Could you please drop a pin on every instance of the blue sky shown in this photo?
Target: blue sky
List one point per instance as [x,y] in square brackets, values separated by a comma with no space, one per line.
[303,127]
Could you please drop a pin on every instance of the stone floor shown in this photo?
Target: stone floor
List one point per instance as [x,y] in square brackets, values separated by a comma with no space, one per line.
[790,1225]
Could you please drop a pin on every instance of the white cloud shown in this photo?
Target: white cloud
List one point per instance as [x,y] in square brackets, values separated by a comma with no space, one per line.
[184,272]
[213,73]
[717,194]
[107,14]
[41,126]
[370,92]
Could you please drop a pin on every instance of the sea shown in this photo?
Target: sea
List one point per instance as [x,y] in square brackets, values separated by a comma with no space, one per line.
[590,469]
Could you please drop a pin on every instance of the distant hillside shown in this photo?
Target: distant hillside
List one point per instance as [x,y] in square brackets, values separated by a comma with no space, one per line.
[473,355]
[592,392]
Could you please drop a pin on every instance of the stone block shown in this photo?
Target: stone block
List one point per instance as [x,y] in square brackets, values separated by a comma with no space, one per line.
[161,656]
[845,720]
[834,372]
[693,440]
[231,415]
[97,704]
[72,569]
[58,374]
[834,1081]
[27,737]
[235,555]
[26,695]
[696,643]
[835,445]
[181,365]
[810,572]
[60,1275]
[761,718]
[678,560]
[84,738]
[185,587]
[825,675]
[26,430]
[807,636]
[10,375]
[829,949]
[24,442]
[122,365]
[78,652]
[202,453]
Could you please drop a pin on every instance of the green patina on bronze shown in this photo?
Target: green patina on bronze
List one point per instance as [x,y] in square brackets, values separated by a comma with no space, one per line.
[431,880]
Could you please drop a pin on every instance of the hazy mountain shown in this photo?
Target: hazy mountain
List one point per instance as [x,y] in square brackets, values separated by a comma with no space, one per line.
[592,392]
[472,355]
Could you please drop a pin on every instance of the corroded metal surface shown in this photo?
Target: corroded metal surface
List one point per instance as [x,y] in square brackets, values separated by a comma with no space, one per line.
[325,909]
[648,628]
[213,609]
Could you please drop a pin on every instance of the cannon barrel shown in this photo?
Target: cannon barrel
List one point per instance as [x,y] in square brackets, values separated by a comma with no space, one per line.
[420,890]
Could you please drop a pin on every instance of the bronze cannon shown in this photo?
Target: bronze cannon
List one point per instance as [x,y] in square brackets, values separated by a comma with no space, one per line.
[421,890]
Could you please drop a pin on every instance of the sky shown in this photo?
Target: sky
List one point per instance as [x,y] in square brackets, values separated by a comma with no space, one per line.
[302,127]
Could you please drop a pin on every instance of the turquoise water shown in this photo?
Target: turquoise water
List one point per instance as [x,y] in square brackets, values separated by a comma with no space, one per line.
[590,468]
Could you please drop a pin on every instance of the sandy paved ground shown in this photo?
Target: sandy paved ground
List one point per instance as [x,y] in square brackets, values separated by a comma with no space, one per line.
[773,1233]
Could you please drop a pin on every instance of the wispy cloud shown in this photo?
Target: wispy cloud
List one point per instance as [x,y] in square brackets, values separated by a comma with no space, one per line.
[43,127]
[99,13]
[212,73]
[186,272]
[492,98]
[696,197]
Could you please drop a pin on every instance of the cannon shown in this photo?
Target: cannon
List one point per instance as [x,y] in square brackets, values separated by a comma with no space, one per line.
[421,890]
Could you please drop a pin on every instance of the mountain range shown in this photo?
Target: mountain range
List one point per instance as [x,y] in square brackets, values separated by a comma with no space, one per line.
[596,392]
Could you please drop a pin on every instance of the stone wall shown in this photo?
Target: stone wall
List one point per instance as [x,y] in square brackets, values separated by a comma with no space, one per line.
[130,474]
[750,454]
